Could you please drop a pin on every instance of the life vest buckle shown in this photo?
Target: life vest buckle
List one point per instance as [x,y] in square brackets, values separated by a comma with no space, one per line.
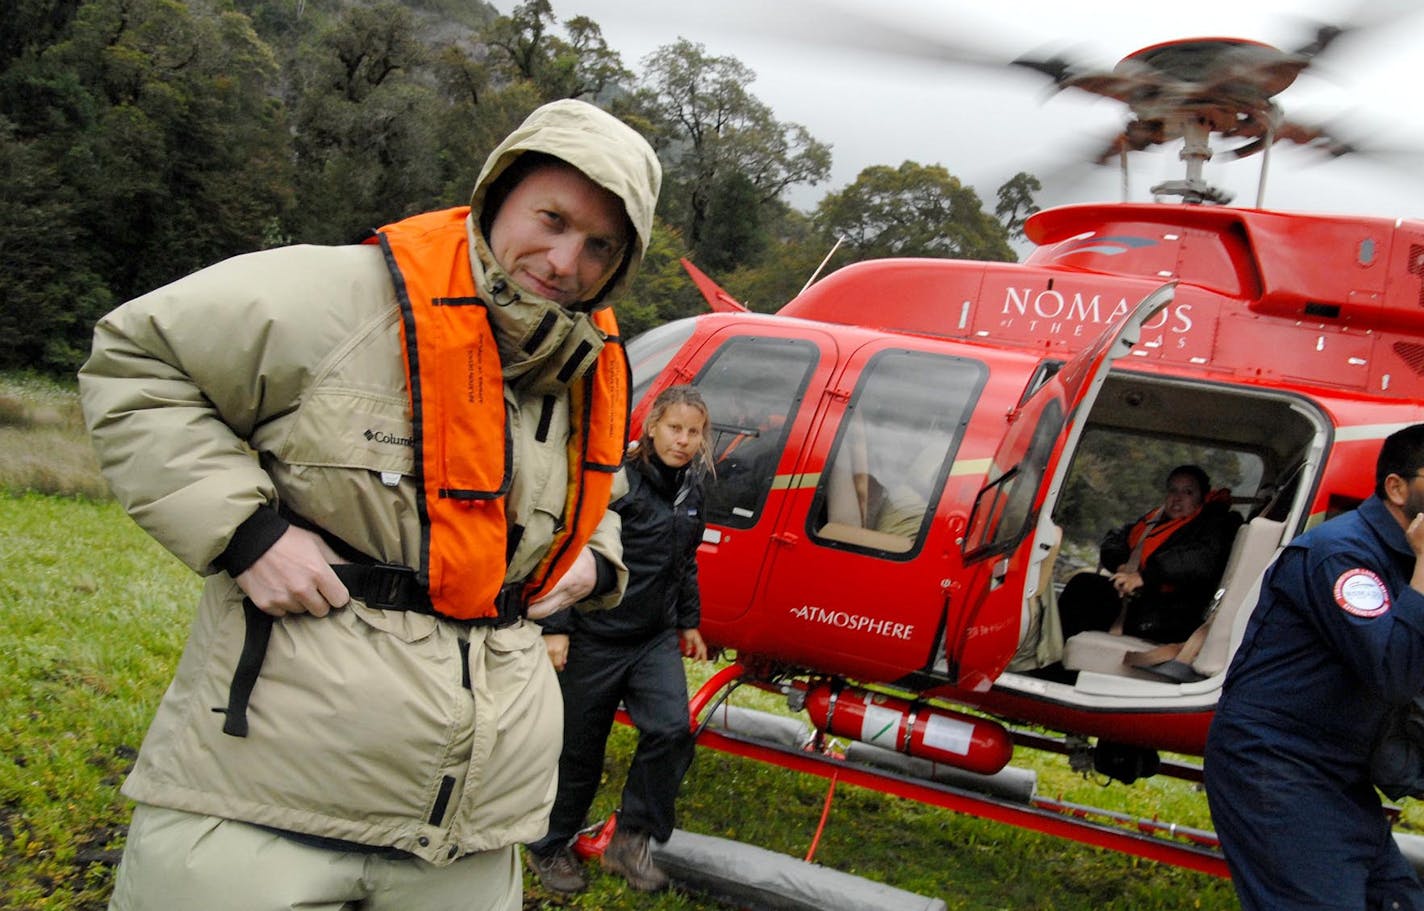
[510,604]
[390,586]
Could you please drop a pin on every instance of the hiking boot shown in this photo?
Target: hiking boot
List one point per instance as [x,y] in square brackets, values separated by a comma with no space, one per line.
[629,855]
[559,872]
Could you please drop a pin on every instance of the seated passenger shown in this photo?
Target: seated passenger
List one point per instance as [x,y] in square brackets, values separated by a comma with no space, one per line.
[901,506]
[1165,567]
[744,465]
[882,477]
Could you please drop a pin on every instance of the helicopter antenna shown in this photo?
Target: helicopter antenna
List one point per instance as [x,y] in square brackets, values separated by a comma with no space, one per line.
[812,279]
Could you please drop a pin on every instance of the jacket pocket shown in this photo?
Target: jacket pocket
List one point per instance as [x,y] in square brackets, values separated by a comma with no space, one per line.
[346,428]
[406,626]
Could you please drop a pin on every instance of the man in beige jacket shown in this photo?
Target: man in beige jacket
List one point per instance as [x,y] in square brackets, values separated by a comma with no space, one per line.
[384,458]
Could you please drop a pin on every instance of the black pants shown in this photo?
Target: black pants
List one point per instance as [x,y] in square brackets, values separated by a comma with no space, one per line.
[1089,602]
[649,679]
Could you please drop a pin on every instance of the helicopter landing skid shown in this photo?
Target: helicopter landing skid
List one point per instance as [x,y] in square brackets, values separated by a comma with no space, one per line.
[1193,849]
[1168,843]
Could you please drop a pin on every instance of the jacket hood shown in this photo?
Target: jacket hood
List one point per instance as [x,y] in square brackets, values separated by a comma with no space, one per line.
[608,151]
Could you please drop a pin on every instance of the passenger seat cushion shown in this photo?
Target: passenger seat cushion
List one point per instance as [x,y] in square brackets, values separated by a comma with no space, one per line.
[1103,652]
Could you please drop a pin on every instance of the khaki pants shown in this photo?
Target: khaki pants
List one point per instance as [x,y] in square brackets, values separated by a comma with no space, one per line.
[175,861]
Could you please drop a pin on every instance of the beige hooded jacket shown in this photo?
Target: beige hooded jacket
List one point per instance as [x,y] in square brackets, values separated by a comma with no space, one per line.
[276,380]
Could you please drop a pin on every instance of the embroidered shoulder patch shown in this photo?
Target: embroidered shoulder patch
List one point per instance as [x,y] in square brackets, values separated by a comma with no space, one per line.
[1362,593]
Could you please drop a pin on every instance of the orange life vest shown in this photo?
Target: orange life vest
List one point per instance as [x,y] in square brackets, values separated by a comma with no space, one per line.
[462,447]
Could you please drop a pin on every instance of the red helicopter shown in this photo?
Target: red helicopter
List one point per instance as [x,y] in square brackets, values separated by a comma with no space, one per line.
[894,444]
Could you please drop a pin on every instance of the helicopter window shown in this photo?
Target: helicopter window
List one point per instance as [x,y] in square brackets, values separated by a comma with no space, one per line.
[1044,372]
[893,450]
[753,387]
[1004,508]
[653,350]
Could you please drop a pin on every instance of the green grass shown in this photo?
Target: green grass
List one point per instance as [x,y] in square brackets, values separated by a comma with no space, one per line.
[96,614]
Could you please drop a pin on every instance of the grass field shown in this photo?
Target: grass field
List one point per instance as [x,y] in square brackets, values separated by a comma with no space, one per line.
[96,614]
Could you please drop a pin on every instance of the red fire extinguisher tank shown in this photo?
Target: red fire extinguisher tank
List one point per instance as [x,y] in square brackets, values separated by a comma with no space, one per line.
[977,744]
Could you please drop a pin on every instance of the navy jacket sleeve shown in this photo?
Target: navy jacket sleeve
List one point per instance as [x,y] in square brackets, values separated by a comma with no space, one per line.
[1384,650]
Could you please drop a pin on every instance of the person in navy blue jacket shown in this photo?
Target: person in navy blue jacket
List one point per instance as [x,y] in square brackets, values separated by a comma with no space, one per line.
[1336,641]
[633,654]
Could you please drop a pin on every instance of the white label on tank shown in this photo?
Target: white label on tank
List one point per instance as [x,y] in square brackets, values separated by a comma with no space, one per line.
[948,734]
[880,725]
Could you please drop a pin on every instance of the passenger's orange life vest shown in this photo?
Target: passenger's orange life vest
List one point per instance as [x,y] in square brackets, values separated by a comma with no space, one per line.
[462,447]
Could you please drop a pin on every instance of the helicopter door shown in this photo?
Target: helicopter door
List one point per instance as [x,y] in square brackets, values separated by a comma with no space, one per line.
[853,580]
[1010,528]
[754,386]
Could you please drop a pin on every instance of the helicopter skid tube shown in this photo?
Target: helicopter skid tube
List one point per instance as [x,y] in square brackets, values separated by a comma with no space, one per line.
[1150,839]
[1041,815]
[778,741]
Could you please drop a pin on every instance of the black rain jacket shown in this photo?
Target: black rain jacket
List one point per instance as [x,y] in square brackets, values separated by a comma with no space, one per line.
[662,525]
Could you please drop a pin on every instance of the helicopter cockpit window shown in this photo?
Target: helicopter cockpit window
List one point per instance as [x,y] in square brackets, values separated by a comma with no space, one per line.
[753,387]
[653,350]
[893,450]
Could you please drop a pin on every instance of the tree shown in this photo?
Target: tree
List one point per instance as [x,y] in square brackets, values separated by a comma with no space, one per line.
[1016,202]
[52,293]
[585,67]
[734,233]
[785,268]
[366,147]
[912,210]
[32,24]
[523,48]
[710,127]
[140,143]
[474,113]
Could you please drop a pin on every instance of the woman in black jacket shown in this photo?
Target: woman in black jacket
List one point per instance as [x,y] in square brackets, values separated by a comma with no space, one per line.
[633,654]
[1165,567]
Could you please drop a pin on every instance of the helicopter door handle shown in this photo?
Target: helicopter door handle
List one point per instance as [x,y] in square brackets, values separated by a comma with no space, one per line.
[785,537]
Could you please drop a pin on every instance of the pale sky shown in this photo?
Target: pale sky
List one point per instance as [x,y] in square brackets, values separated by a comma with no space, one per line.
[986,123]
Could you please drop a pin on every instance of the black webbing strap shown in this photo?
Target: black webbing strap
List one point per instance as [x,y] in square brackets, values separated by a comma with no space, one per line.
[258,632]
[385,586]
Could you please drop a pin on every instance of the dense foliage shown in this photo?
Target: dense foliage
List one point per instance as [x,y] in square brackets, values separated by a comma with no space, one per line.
[143,139]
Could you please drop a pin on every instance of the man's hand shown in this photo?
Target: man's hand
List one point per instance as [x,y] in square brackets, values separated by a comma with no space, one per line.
[576,585]
[1415,535]
[692,644]
[294,576]
[557,645]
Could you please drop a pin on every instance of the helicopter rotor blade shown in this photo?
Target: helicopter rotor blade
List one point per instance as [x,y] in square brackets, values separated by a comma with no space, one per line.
[1365,18]
[1226,83]
[818,25]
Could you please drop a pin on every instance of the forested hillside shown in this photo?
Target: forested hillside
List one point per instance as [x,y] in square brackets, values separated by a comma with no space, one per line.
[142,139]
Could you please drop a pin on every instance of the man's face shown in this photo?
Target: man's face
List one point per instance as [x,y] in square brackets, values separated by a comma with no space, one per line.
[1184,497]
[559,235]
